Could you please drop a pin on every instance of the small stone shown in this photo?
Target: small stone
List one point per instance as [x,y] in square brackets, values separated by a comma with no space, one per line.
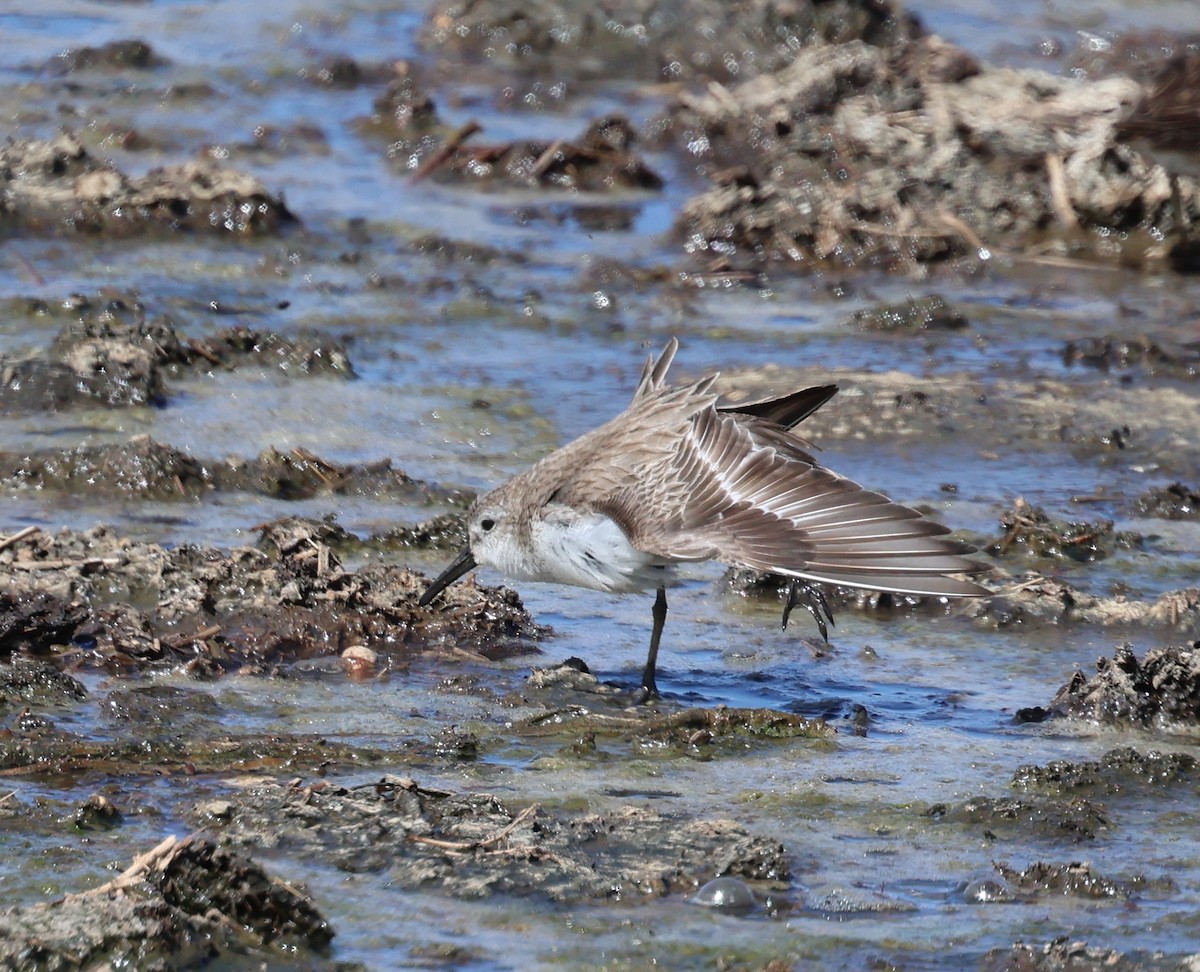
[360,661]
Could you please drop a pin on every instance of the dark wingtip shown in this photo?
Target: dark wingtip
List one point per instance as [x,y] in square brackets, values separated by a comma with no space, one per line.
[789,410]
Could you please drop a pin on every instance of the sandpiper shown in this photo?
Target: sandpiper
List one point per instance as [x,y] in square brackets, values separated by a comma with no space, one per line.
[675,479]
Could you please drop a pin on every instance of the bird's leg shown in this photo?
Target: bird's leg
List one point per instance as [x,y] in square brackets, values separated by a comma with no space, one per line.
[649,688]
[802,593]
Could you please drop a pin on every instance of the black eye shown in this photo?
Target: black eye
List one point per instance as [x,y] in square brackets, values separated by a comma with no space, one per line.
[486,524]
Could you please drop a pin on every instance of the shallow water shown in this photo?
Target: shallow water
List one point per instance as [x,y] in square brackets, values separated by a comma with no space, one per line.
[553,349]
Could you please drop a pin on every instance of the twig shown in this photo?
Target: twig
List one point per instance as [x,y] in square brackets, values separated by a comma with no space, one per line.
[1060,199]
[1022,586]
[526,850]
[132,874]
[960,226]
[919,233]
[1062,262]
[546,159]
[59,564]
[307,455]
[31,270]
[19,536]
[197,348]
[519,819]
[449,147]
[331,475]
[451,845]
[727,100]
[466,847]
[203,634]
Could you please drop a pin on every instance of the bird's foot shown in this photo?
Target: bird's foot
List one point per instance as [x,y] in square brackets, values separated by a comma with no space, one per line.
[811,597]
[645,694]
[648,690]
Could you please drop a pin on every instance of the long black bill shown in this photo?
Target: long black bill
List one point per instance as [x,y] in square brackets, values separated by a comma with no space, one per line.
[461,564]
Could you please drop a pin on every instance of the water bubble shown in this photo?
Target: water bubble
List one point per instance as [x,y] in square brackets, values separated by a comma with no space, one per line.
[727,894]
[987,891]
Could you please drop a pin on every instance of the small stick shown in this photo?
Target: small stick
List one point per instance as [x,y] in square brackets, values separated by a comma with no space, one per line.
[132,874]
[442,155]
[19,536]
[31,270]
[546,159]
[197,348]
[960,226]
[58,564]
[1096,498]
[200,635]
[465,847]
[1060,199]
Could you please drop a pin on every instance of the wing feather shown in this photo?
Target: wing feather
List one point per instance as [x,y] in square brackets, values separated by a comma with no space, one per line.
[753,498]
[788,410]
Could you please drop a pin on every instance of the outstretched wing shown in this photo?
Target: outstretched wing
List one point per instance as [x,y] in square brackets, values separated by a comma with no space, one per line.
[741,490]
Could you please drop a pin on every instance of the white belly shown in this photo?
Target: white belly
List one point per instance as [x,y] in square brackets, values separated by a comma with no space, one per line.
[591,550]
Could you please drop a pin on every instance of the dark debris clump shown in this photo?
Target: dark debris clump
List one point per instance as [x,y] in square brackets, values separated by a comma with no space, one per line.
[118,55]
[1030,529]
[1175,502]
[181,905]
[37,683]
[916,314]
[973,159]
[1124,770]
[142,468]
[1141,353]
[1066,955]
[447,531]
[110,354]
[701,40]
[1074,880]
[1162,689]
[70,596]
[57,185]
[474,845]
[1008,818]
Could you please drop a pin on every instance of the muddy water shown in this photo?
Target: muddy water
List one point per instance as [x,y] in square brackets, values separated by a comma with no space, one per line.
[472,364]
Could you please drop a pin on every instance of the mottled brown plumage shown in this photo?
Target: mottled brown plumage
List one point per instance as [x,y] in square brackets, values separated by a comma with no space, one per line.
[676,478]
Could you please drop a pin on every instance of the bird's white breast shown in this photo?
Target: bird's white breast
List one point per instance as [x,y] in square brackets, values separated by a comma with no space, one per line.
[589,550]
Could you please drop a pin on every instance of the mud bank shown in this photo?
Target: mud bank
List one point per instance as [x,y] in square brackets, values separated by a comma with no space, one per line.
[475,846]
[71,597]
[183,904]
[110,353]
[56,186]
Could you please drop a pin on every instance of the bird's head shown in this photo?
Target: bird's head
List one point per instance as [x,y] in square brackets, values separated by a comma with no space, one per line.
[491,541]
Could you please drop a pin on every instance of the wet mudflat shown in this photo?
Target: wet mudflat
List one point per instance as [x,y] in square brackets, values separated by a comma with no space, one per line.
[285,287]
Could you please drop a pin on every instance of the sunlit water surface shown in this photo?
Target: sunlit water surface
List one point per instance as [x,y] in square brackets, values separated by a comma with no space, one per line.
[553,354]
